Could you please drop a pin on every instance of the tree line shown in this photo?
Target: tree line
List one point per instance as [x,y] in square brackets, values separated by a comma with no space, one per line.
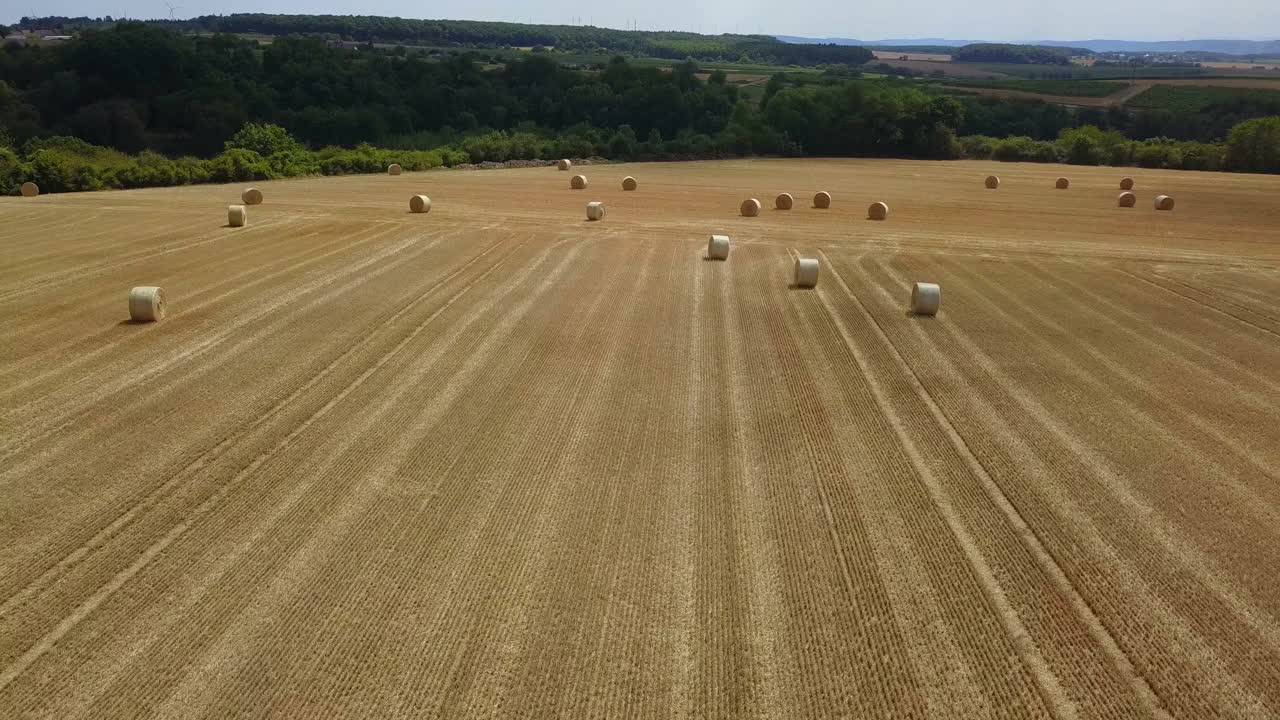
[136,105]
[1045,121]
[1018,54]
[763,49]
[135,87]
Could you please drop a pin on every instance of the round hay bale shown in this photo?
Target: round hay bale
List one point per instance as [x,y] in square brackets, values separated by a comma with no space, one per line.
[878,211]
[394,169]
[1164,202]
[30,189]
[237,216]
[146,304]
[1127,199]
[806,272]
[784,201]
[629,183]
[595,211]
[992,182]
[926,298]
[718,247]
[822,200]
[420,204]
[564,164]
[1126,183]
[579,182]
[750,207]
[251,196]
[1062,183]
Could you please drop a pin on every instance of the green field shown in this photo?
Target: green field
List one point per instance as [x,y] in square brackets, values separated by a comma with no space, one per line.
[1083,72]
[1186,98]
[728,67]
[1063,88]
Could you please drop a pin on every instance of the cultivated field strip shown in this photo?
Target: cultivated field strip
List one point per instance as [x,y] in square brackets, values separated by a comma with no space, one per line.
[220,504]
[816,464]
[497,461]
[210,298]
[358,481]
[179,468]
[1178,586]
[1089,672]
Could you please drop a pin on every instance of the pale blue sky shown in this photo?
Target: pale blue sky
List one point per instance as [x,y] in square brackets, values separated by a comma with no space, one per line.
[976,19]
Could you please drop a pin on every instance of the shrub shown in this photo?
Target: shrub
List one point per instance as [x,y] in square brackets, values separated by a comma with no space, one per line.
[150,169]
[13,172]
[1081,150]
[621,146]
[293,163]
[574,147]
[1202,156]
[191,171]
[1088,145]
[1120,154]
[238,165]
[342,161]
[1024,149]
[1254,145]
[942,144]
[61,171]
[265,139]
[1152,155]
[452,156]
[978,147]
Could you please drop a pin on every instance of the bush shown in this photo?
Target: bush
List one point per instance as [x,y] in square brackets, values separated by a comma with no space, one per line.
[1081,150]
[191,171]
[1254,146]
[977,147]
[150,169]
[61,143]
[1045,152]
[368,159]
[1024,149]
[13,172]
[1202,156]
[1089,145]
[61,171]
[452,156]
[574,148]
[1120,154]
[1152,155]
[238,165]
[942,144]
[264,139]
[293,163]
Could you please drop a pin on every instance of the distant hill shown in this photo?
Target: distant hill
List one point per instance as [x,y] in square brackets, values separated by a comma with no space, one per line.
[1228,47]
[589,40]
[900,43]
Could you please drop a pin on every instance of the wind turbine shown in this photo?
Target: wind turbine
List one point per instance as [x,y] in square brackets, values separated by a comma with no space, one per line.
[172,7]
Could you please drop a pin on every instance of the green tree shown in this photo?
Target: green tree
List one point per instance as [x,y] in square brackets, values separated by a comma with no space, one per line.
[264,139]
[1254,145]
[777,81]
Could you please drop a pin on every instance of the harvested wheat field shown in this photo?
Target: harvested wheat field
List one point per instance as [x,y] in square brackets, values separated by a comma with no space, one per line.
[500,461]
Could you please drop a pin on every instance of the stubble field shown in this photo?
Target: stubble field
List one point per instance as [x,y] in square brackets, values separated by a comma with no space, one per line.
[497,461]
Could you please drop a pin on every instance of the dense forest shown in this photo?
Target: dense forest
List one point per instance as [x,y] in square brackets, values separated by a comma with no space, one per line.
[135,105]
[136,86]
[763,49]
[1019,54]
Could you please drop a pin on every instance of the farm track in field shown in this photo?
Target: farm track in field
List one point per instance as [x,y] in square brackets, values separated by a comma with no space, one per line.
[497,461]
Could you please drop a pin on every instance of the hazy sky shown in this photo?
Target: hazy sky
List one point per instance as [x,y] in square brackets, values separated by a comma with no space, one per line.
[977,19]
